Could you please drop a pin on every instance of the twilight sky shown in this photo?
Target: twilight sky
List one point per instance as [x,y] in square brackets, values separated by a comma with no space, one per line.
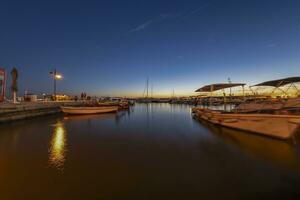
[111,47]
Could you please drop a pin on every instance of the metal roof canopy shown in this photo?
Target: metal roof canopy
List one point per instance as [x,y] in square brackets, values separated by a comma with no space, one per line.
[279,82]
[218,86]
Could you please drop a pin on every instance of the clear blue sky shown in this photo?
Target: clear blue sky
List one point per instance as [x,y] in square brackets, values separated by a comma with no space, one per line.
[111,47]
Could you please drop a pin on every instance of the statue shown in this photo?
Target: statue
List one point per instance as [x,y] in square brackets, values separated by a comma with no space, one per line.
[14,85]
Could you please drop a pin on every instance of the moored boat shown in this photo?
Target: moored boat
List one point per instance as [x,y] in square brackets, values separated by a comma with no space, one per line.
[271,117]
[122,105]
[89,110]
[109,103]
[279,105]
[277,126]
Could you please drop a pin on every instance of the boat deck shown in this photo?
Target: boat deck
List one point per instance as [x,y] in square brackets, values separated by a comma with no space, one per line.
[276,126]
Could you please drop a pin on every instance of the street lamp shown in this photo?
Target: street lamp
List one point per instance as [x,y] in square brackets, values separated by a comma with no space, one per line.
[55,76]
[58,76]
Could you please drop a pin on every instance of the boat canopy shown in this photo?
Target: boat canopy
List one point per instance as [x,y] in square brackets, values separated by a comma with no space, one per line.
[279,82]
[218,86]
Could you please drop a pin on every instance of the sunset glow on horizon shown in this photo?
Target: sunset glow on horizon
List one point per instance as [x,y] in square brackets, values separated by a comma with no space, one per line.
[111,48]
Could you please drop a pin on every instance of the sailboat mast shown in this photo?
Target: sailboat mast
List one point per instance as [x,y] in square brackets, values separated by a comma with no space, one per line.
[151,90]
[147,87]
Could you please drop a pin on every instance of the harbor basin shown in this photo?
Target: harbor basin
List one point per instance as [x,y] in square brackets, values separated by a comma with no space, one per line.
[152,151]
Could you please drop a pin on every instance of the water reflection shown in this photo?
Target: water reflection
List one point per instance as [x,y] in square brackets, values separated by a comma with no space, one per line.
[278,152]
[57,152]
[89,117]
[146,155]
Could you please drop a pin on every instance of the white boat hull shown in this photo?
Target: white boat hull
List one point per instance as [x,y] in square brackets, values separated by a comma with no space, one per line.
[88,110]
[277,126]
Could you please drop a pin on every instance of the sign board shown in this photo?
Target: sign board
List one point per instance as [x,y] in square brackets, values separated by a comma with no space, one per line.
[2,84]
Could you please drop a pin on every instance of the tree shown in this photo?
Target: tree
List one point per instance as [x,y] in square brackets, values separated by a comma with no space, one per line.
[14,84]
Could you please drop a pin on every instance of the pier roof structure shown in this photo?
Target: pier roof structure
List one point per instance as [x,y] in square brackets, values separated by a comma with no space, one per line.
[218,86]
[279,82]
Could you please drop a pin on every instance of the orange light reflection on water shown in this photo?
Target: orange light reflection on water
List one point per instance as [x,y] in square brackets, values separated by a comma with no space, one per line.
[57,151]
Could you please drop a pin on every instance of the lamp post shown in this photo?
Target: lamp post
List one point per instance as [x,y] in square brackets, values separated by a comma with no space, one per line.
[55,76]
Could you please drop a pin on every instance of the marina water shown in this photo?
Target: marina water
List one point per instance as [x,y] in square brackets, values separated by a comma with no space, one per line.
[152,151]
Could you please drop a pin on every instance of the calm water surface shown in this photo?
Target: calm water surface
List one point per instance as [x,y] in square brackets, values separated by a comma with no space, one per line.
[155,151]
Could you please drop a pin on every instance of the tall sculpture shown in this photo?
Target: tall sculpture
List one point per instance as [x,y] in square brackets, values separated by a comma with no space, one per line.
[14,84]
[2,84]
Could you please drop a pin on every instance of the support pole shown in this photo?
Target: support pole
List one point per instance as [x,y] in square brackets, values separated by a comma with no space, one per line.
[296,88]
[224,95]
[211,91]
[54,84]
[243,92]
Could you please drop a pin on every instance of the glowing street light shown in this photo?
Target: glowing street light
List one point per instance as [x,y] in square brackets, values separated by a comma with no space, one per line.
[58,76]
[55,76]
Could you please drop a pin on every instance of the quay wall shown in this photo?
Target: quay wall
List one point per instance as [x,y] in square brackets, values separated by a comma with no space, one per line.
[13,112]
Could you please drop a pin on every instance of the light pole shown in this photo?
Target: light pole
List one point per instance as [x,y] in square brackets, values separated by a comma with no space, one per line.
[55,76]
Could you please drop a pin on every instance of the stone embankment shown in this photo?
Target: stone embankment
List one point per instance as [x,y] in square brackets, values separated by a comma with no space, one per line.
[11,112]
